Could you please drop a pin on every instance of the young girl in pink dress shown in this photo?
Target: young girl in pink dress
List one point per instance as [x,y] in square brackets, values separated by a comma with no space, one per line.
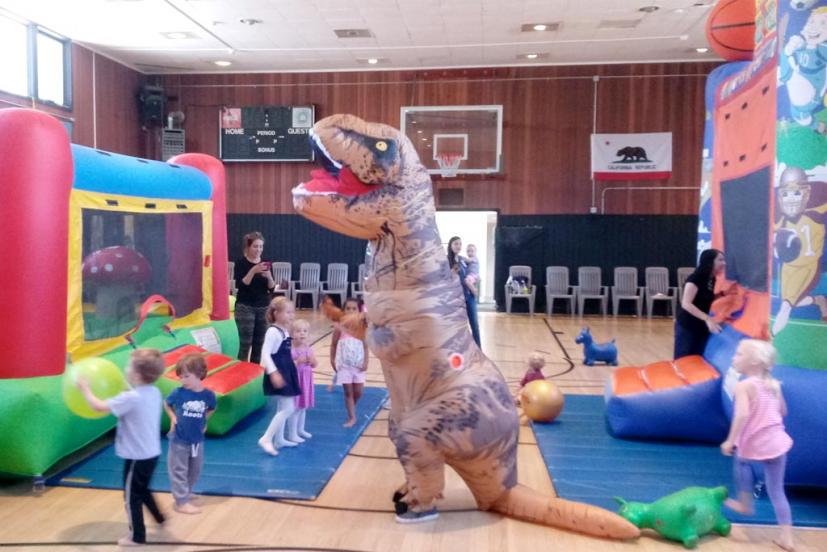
[757,434]
[349,357]
[305,361]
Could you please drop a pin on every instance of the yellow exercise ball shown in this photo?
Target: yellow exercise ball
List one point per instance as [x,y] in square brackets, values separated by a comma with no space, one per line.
[541,400]
[105,380]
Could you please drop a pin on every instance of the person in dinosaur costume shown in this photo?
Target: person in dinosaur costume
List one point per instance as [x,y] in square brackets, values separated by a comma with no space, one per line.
[450,404]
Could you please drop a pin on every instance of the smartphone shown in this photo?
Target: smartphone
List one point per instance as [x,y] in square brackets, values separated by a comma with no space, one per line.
[266,264]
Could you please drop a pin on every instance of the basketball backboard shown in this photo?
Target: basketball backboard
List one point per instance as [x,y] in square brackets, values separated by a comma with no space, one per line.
[473,132]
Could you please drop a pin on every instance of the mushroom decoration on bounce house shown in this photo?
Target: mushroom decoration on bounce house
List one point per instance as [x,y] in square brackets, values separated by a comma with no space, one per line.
[94,243]
[764,203]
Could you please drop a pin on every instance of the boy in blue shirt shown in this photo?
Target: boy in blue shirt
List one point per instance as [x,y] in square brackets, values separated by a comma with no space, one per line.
[188,407]
[138,437]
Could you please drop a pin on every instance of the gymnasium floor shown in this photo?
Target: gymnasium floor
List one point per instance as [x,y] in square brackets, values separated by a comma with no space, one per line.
[354,513]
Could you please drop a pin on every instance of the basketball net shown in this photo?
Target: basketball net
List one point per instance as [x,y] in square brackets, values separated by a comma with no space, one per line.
[448,164]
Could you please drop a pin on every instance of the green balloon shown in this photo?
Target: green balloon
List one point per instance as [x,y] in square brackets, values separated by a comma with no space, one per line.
[105,380]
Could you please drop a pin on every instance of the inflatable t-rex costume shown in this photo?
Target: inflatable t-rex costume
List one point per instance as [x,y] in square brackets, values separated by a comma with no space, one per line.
[450,404]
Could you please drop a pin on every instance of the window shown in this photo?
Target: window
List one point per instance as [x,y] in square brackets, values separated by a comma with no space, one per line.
[34,62]
[50,69]
[14,73]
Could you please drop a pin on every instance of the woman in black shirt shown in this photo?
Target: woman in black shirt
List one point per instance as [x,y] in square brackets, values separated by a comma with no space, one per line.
[693,324]
[254,282]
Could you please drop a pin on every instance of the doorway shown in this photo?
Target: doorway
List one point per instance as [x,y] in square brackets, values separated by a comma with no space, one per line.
[477,228]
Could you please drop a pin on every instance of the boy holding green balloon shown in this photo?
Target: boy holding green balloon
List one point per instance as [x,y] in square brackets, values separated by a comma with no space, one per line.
[138,437]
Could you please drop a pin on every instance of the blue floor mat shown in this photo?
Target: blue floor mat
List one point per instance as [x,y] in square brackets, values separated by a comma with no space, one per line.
[588,465]
[234,465]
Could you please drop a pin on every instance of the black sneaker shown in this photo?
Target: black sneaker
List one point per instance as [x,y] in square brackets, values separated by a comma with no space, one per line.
[411,516]
[399,506]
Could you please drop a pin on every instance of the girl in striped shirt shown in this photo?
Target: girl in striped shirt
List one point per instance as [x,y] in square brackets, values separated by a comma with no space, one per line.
[757,434]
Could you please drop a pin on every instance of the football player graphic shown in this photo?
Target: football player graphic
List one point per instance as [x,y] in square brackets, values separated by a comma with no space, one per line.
[799,245]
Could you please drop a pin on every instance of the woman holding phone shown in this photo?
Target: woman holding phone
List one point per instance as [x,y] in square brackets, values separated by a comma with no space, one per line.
[254,281]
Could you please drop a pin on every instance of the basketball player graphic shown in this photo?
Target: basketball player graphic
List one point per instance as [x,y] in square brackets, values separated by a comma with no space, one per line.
[799,245]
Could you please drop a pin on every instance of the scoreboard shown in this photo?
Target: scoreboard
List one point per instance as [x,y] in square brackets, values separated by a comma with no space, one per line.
[265,133]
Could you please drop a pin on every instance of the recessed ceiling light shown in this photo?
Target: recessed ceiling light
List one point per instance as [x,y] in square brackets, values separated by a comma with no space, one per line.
[535,27]
[424,139]
[249,21]
[649,9]
[684,37]
[680,11]
[372,61]
[178,35]
[222,63]
[533,55]
[702,50]
[419,132]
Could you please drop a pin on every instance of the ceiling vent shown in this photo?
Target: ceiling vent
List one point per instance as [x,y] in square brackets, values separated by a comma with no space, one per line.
[353,33]
[150,68]
[618,24]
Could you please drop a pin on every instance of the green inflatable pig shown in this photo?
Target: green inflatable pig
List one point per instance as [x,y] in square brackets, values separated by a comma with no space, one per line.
[683,516]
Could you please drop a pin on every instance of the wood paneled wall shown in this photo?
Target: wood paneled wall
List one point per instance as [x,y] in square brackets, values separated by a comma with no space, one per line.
[104,112]
[548,117]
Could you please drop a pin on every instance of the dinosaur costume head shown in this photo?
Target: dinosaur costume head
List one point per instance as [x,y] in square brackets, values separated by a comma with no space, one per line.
[357,191]
[450,404]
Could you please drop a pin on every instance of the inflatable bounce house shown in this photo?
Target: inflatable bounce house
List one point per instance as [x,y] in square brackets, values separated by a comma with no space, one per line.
[104,253]
[764,203]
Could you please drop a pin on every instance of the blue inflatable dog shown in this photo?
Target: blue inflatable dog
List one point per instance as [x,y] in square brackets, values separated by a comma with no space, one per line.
[604,352]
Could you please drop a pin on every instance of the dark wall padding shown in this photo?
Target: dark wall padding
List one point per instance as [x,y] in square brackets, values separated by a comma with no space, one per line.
[606,241]
[294,239]
[539,241]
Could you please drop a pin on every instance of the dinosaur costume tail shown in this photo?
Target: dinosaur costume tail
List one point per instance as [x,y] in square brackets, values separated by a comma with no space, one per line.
[526,504]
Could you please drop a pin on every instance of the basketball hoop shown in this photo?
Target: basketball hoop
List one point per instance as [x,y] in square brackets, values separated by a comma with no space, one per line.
[448,163]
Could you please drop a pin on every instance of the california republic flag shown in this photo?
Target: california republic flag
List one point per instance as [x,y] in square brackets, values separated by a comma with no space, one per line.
[632,156]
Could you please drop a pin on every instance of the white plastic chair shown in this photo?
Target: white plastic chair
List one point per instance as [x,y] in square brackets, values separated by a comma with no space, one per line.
[308,283]
[658,288]
[282,272]
[231,273]
[357,288]
[625,288]
[336,283]
[510,295]
[590,286]
[684,272]
[557,287]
